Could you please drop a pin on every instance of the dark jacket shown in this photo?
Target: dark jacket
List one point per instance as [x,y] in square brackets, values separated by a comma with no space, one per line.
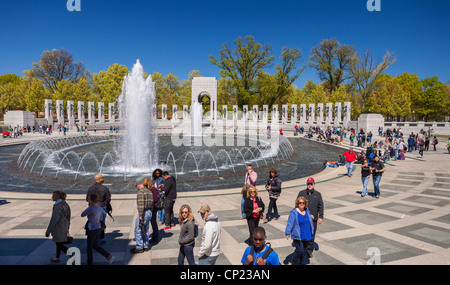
[248,207]
[102,192]
[170,188]
[275,186]
[315,202]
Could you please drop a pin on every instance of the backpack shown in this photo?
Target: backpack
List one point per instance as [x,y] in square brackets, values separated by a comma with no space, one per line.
[159,205]
[266,253]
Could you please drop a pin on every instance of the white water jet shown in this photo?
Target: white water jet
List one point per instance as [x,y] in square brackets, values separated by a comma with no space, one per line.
[139,145]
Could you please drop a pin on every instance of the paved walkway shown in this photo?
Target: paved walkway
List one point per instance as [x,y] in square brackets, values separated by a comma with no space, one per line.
[408,224]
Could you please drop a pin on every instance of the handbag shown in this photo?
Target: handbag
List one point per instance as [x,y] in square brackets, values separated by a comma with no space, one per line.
[69,240]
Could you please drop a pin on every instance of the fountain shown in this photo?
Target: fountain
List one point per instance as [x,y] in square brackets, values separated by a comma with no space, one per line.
[139,144]
[69,163]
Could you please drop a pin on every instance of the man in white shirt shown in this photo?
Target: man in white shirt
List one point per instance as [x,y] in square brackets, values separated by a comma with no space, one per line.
[210,247]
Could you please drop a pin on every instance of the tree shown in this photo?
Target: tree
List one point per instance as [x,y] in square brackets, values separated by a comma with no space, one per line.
[433,101]
[243,64]
[55,66]
[332,61]
[107,85]
[365,72]
[287,72]
[34,94]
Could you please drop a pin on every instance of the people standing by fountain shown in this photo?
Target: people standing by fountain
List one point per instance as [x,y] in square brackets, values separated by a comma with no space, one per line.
[59,223]
[104,198]
[157,181]
[170,190]
[210,247]
[145,207]
[273,185]
[250,180]
[316,207]
[377,168]
[186,239]
[253,208]
[94,227]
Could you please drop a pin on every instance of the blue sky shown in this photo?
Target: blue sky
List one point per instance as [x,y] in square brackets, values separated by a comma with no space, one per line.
[178,36]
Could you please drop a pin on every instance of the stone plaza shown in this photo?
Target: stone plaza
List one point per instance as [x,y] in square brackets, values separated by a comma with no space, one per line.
[408,225]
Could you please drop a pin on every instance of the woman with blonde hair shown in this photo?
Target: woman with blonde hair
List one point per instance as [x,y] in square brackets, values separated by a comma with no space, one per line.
[188,232]
[300,228]
[253,209]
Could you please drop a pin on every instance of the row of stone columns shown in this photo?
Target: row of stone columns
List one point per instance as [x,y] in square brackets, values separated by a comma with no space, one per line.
[70,108]
[305,115]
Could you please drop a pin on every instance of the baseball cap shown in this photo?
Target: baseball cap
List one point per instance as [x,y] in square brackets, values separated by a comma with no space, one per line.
[205,208]
[310,180]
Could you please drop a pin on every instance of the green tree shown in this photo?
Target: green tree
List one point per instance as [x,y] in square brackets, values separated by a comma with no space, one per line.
[55,66]
[107,85]
[34,94]
[242,64]
[332,61]
[433,101]
[364,72]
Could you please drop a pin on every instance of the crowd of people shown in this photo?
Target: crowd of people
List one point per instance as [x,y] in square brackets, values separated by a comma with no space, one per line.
[157,196]
[155,201]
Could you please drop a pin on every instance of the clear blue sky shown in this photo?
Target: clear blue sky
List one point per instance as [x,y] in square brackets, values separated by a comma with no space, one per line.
[178,36]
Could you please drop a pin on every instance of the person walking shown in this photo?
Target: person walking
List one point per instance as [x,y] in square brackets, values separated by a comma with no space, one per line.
[145,207]
[104,198]
[300,228]
[365,176]
[94,227]
[170,191]
[253,208]
[435,142]
[186,239]
[59,223]
[377,169]
[260,252]
[210,246]
[273,185]
[316,207]
[350,157]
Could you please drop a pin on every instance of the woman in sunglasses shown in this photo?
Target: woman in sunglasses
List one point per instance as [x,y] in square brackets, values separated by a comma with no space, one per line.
[300,228]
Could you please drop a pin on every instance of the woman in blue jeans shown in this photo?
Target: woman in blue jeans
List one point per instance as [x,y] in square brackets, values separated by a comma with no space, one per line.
[300,228]
[186,240]
[94,229]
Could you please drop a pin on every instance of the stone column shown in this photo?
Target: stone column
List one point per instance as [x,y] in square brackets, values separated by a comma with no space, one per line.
[81,118]
[164,111]
[284,113]
[235,112]
[101,112]
[255,113]
[48,109]
[294,113]
[111,113]
[155,112]
[311,114]
[347,113]
[244,113]
[174,113]
[319,114]
[275,113]
[91,113]
[265,113]
[302,114]
[71,113]
[337,113]
[225,112]
[185,112]
[60,111]
[328,114]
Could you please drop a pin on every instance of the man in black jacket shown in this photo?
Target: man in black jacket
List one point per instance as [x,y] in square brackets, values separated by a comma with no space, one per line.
[170,190]
[315,206]
[104,197]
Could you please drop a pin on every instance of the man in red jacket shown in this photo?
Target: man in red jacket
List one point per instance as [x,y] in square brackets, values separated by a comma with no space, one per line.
[350,157]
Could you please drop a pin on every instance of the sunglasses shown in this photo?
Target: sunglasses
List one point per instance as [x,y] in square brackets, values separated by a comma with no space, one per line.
[309,183]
